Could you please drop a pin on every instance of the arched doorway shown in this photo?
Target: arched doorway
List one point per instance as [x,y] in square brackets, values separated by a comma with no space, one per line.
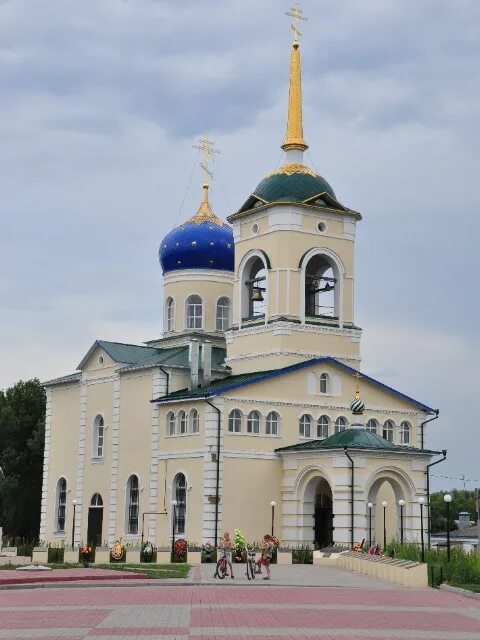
[95,521]
[318,512]
[387,488]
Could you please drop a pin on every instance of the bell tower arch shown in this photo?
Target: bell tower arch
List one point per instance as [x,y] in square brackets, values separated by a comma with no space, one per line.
[294,262]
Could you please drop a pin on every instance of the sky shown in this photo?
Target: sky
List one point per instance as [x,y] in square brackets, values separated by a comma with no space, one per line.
[101,102]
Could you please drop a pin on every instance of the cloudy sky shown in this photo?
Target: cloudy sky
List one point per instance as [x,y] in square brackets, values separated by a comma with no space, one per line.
[102,100]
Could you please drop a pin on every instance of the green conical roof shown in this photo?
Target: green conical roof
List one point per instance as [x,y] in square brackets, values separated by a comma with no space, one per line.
[357,438]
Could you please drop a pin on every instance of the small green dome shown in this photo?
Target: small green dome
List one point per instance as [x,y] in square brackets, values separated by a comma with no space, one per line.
[292,183]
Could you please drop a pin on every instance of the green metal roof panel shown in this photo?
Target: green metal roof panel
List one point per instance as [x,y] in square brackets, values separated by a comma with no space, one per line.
[357,438]
[127,353]
[72,377]
[296,187]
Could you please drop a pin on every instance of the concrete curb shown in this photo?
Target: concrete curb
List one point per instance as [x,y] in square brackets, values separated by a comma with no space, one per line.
[460,592]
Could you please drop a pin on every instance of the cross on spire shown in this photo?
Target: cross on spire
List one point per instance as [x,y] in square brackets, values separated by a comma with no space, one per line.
[357,390]
[207,147]
[297,14]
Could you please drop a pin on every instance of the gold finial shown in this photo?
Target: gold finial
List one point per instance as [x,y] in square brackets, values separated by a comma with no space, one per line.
[207,147]
[205,213]
[357,390]
[297,14]
[294,138]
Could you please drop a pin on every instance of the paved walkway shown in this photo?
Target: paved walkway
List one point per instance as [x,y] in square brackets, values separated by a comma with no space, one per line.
[301,575]
[237,612]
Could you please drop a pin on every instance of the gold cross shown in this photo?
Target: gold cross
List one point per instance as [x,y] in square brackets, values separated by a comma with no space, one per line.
[207,147]
[297,14]
[357,391]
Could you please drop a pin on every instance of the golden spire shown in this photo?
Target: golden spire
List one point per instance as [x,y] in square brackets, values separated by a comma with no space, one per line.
[207,147]
[294,138]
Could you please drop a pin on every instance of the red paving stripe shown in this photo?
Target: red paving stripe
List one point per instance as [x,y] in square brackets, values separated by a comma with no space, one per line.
[141,631]
[51,619]
[329,619]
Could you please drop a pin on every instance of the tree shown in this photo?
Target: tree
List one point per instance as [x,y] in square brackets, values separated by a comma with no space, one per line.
[461,501]
[22,428]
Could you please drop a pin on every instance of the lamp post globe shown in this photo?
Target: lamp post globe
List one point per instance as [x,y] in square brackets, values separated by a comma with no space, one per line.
[384,504]
[370,505]
[273,505]
[401,504]
[447,498]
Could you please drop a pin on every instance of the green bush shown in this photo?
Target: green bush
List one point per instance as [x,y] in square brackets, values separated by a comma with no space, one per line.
[55,554]
[302,554]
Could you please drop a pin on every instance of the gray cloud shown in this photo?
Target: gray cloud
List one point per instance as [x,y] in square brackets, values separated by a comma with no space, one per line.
[102,101]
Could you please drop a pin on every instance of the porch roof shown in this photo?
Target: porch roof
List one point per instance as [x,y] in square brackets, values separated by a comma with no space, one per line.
[357,438]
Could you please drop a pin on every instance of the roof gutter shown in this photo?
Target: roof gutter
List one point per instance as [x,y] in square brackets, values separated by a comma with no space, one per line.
[352,498]
[427,473]
[217,483]
[422,427]
[167,376]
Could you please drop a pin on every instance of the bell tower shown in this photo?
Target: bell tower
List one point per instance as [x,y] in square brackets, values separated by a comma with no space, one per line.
[293,295]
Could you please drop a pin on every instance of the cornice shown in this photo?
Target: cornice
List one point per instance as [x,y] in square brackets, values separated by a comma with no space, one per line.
[293,326]
[302,354]
[89,381]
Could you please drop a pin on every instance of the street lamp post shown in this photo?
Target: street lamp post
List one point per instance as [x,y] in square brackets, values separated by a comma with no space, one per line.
[401,505]
[273,504]
[384,505]
[421,502]
[447,499]
[174,524]
[370,507]
[74,502]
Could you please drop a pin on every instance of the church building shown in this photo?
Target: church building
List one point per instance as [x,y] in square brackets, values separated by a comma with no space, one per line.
[251,411]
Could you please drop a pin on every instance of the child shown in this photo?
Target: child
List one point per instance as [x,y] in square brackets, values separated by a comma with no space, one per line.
[227,545]
[265,558]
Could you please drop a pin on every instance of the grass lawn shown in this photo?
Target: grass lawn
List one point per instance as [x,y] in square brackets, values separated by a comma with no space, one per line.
[155,571]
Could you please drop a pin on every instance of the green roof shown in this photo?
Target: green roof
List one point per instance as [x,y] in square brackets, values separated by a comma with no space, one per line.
[134,356]
[296,187]
[357,438]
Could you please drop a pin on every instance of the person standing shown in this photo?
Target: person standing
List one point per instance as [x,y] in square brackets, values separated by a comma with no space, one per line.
[266,556]
[227,546]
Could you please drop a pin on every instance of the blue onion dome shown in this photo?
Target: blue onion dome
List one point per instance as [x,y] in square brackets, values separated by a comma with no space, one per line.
[202,242]
[292,183]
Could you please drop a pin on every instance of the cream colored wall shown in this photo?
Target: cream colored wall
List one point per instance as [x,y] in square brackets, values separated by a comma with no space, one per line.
[209,287]
[297,393]
[135,445]
[63,454]
[248,488]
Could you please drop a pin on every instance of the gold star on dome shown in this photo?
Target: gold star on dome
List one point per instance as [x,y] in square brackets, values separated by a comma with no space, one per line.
[194,244]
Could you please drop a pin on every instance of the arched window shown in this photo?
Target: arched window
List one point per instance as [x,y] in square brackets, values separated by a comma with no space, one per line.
[253,423]
[96,500]
[194,421]
[182,423]
[372,426]
[223,314]
[324,383]
[170,314]
[132,505]
[322,427]
[61,505]
[171,423]
[98,437]
[235,421]
[180,494]
[271,427]
[254,283]
[405,433]
[340,424]
[388,428]
[320,284]
[305,426]
[194,312]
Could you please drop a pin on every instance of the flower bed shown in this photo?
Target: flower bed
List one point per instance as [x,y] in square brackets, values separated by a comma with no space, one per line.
[180,550]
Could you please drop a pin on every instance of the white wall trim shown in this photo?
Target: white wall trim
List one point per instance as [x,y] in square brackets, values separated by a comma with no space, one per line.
[251,455]
[179,455]
[46,466]
[301,354]
[159,385]
[81,463]
[115,447]
[203,275]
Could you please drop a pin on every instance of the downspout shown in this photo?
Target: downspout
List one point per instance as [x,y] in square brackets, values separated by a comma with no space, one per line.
[422,430]
[427,473]
[352,507]
[217,496]
[167,375]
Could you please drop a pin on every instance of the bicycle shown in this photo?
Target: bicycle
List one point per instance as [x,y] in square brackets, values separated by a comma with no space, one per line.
[250,572]
[221,570]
